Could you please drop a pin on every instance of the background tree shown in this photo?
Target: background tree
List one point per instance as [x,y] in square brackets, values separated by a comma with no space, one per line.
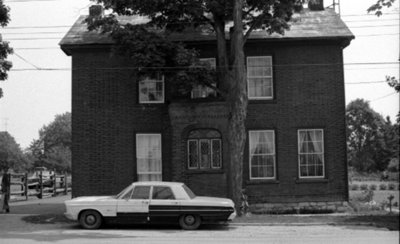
[242,17]
[5,49]
[11,154]
[371,140]
[53,148]
[379,5]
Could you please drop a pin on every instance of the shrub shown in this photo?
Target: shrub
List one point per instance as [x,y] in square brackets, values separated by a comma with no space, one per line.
[364,187]
[372,187]
[396,204]
[392,186]
[354,187]
[393,165]
[383,187]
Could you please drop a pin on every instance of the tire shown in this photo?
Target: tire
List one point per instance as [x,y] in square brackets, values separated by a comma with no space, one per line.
[90,219]
[189,221]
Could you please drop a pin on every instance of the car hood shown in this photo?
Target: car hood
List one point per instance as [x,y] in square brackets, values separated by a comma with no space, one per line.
[222,201]
[90,199]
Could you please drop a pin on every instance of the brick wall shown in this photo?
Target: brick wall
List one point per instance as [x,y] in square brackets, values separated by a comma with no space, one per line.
[106,116]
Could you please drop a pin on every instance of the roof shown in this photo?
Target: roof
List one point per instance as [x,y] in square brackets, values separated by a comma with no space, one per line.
[306,25]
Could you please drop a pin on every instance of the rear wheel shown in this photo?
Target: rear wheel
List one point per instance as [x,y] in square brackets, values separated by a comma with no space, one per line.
[189,221]
[90,219]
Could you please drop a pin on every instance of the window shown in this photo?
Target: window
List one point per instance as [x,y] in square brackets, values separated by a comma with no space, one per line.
[162,192]
[262,154]
[151,90]
[311,153]
[148,157]
[204,149]
[259,77]
[201,91]
[141,192]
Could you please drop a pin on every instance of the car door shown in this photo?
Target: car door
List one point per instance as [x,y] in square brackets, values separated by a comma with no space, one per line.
[133,207]
[164,207]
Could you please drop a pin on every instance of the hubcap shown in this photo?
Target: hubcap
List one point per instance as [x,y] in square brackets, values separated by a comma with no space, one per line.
[189,219]
[90,219]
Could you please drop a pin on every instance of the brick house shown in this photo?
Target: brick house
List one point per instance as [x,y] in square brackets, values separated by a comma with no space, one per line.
[127,130]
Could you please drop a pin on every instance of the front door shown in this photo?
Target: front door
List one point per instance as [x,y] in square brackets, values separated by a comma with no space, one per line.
[134,206]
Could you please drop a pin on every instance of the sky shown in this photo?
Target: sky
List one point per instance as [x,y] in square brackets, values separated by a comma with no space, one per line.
[33,96]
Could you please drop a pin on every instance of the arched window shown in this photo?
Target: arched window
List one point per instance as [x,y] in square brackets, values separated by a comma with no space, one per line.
[204,149]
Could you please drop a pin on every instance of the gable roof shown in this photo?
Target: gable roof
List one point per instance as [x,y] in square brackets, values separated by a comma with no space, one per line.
[305,25]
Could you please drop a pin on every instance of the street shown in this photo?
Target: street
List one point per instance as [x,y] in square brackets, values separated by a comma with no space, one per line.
[15,231]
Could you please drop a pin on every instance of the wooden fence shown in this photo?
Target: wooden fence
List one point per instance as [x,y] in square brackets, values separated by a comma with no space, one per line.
[22,186]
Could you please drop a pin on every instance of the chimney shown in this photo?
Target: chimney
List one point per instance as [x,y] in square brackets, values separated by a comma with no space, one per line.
[316,5]
[96,10]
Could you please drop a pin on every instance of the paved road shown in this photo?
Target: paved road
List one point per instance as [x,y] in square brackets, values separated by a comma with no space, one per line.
[16,231]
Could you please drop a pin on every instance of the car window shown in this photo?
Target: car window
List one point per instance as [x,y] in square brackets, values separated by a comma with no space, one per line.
[141,192]
[162,192]
[189,192]
[127,194]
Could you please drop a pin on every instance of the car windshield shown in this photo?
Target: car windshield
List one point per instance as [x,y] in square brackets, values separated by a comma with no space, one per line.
[123,192]
[189,192]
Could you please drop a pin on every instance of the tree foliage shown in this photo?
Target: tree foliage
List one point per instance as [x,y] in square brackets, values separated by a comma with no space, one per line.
[5,48]
[372,141]
[213,16]
[11,155]
[379,5]
[53,148]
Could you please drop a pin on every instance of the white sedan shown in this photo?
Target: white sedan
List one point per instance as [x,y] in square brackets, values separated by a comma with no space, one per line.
[150,202]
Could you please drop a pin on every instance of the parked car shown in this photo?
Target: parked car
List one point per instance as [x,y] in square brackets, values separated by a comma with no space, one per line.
[150,202]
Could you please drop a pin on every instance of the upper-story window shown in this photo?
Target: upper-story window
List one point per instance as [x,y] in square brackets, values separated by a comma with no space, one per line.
[201,91]
[259,77]
[204,149]
[151,89]
[311,153]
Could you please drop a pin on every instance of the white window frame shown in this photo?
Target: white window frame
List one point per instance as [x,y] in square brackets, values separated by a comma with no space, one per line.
[271,77]
[201,89]
[137,153]
[147,79]
[299,153]
[269,154]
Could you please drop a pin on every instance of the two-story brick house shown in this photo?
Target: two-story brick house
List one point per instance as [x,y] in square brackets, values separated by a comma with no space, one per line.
[125,129]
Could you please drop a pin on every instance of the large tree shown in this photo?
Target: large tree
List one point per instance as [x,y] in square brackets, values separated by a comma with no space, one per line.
[11,154]
[372,141]
[242,17]
[5,49]
[53,148]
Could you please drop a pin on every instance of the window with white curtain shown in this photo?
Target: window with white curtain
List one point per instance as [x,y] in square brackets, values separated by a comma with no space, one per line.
[151,89]
[259,77]
[262,154]
[201,91]
[148,157]
[311,153]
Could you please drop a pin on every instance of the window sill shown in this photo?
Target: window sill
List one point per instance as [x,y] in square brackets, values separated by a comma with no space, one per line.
[205,171]
[262,101]
[261,182]
[301,181]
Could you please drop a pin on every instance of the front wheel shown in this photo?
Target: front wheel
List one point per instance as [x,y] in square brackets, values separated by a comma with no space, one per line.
[189,221]
[90,219]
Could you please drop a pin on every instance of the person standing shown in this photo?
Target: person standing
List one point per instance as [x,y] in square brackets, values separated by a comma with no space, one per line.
[5,191]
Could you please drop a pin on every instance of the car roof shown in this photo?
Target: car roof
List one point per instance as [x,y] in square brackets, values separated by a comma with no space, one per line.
[158,183]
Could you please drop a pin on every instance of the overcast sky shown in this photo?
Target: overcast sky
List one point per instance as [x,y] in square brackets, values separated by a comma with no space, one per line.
[32,97]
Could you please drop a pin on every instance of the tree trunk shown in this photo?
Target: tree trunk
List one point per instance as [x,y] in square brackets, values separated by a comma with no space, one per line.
[237,99]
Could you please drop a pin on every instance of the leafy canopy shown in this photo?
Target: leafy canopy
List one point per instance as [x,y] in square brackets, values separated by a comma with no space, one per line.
[5,48]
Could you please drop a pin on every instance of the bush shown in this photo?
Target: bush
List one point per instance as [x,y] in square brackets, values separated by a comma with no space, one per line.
[372,187]
[364,187]
[383,187]
[392,186]
[354,187]
[393,165]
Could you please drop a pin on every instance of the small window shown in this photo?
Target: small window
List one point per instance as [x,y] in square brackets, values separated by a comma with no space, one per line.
[259,77]
[201,91]
[311,153]
[162,192]
[204,149]
[262,154]
[151,90]
[141,192]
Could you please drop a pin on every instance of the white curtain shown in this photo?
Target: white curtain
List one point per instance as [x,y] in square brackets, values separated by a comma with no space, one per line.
[148,154]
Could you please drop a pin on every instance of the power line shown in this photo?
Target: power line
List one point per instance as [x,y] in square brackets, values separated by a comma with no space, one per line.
[379,98]
[26,61]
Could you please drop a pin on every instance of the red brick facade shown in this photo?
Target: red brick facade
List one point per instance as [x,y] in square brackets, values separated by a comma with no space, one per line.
[308,93]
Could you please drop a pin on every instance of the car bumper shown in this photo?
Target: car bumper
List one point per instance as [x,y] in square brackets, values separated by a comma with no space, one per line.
[232,216]
[69,216]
